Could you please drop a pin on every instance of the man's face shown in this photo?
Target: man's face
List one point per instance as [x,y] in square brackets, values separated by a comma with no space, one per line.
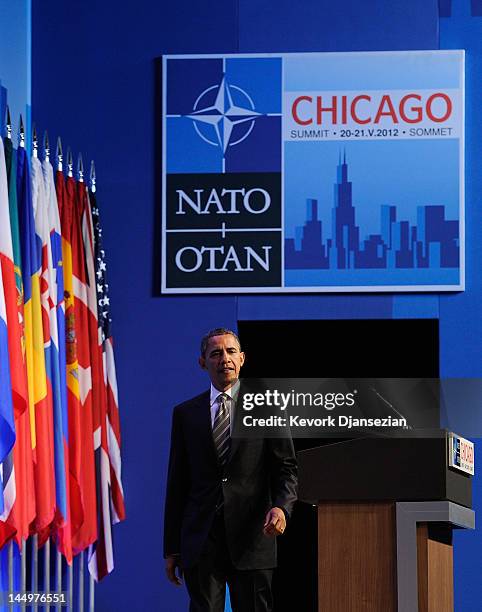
[223,361]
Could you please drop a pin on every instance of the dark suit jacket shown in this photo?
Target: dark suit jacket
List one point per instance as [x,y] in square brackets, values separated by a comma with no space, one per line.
[260,474]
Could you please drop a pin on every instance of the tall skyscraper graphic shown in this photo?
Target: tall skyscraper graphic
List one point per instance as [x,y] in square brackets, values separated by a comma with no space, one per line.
[346,238]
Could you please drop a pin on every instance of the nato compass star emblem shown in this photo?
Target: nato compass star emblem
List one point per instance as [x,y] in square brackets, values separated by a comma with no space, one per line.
[214,123]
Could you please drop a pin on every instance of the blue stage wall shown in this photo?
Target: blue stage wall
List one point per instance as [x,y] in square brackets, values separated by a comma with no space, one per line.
[15,61]
[94,85]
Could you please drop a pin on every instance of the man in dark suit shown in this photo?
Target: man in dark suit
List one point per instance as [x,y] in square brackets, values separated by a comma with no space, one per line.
[227,498]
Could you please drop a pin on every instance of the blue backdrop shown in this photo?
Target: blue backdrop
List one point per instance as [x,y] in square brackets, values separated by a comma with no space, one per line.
[15,62]
[94,85]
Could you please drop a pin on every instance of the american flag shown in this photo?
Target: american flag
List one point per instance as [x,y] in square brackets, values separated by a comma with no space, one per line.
[108,441]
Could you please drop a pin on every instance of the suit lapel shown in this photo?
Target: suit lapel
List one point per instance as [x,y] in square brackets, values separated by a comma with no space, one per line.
[205,429]
[235,441]
[234,448]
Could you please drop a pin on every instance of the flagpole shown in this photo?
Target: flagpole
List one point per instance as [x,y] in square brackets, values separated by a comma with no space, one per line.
[81,582]
[21,144]
[46,588]
[34,580]
[10,572]
[23,571]
[91,593]
[58,581]
[80,178]
[46,146]
[70,580]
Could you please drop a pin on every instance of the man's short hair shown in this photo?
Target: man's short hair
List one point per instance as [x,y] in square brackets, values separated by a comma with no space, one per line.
[219,331]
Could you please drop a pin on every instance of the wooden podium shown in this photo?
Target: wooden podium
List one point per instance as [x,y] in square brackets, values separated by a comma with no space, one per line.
[386,511]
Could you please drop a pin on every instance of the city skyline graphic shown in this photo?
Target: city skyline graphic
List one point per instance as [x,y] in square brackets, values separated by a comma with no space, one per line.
[431,243]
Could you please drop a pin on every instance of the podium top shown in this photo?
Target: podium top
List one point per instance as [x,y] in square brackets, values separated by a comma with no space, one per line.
[382,469]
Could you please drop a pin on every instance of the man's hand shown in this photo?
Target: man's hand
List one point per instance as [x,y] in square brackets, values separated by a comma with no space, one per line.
[275,522]
[173,562]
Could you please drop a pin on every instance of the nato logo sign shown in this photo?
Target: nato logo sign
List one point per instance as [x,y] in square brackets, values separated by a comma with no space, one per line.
[313,172]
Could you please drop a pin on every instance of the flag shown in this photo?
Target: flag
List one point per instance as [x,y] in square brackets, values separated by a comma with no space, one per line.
[64,532]
[87,532]
[7,424]
[20,466]
[12,295]
[105,327]
[39,409]
[55,371]
[110,496]
[59,366]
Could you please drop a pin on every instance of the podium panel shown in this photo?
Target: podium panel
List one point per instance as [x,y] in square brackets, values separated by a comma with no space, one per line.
[352,539]
[435,568]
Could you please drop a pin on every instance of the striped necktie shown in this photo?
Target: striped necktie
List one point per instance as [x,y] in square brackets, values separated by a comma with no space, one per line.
[221,430]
